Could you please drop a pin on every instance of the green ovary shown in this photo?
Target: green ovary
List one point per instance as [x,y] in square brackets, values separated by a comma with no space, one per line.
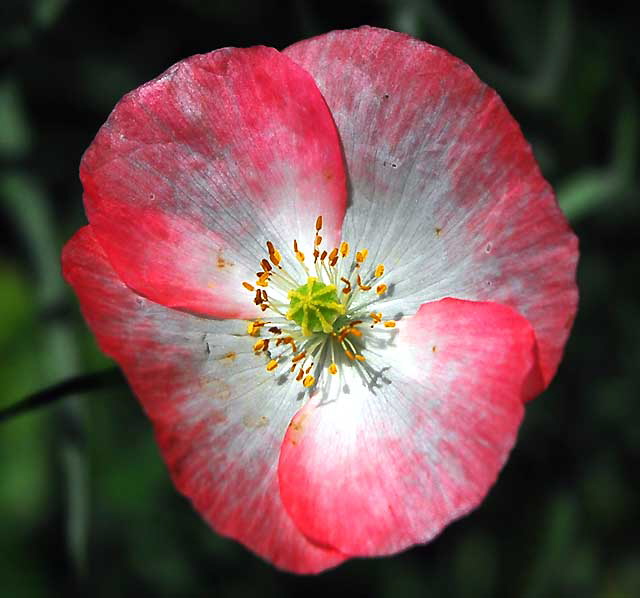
[315,307]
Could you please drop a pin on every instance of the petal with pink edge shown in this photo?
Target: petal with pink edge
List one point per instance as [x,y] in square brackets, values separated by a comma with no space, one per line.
[445,190]
[195,170]
[218,415]
[392,461]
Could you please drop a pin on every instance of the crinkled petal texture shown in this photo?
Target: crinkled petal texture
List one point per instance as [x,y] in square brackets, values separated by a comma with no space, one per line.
[219,416]
[192,171]
[389,461]
[445,190]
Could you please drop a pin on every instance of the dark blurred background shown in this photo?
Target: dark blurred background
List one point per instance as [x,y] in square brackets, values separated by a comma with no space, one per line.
[86,507]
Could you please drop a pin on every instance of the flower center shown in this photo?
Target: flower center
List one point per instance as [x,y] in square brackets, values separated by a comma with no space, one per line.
[316,325]
[314,306]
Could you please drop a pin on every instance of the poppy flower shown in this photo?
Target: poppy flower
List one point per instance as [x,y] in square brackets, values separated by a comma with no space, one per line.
[333,276]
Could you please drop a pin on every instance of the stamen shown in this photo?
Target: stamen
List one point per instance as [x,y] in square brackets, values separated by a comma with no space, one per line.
[333,257]
[260,345]
[266,265]
[299,357]
[318,311]
[362,287]
[275,258]
[272,365]
[253,328]
[346,290]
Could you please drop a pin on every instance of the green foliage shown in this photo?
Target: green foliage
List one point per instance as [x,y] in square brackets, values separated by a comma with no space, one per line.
[86,503]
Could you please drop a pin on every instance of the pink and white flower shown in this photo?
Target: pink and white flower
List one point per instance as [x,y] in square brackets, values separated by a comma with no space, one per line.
[333,276]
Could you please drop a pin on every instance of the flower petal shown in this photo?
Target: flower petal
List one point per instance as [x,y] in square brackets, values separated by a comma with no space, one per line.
[194,171]
[392,462]
[446,192]
[218,415]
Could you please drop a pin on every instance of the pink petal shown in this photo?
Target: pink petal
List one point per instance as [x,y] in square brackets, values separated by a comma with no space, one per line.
[218,415]
[446,191]
[194,171]
[389,464]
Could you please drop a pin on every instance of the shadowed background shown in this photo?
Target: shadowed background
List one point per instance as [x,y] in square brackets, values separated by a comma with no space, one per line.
[86,505]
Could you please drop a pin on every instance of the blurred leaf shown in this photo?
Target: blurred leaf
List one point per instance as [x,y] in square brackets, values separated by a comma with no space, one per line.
[587,191]
[77,533]
[556,544]
[475,566]
[46,12]
[27,204]
[15,134]
[427,19]
[15,299]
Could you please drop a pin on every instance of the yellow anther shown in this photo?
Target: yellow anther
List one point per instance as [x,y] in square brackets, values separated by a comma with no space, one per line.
[308,381]
[379,270]
[263,280]
[272,365]
[319,223]
[275,257]
[317,240]
[333,369]
[260,345]
[300,256]
[361,255]
[376,317]
[248,286]
[360,357]
[381,289]
[349,354]
[389,324]
[253,328]
[344,249]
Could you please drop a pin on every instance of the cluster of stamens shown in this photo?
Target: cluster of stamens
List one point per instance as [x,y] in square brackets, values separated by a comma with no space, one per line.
[321,319]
